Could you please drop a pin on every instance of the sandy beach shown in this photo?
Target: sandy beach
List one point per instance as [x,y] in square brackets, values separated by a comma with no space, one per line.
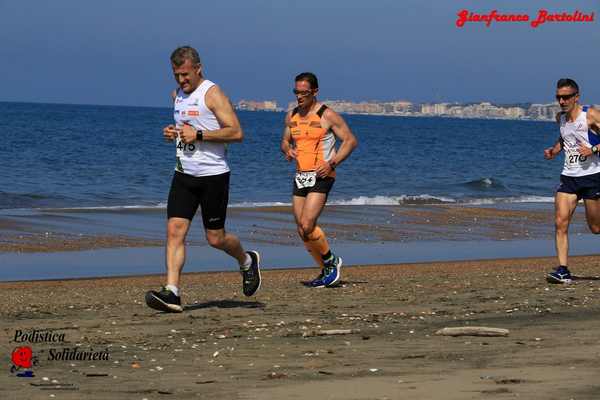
[275,345]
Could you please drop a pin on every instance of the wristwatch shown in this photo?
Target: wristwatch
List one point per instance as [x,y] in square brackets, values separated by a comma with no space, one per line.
[332,164]
[595,149]
[199,135]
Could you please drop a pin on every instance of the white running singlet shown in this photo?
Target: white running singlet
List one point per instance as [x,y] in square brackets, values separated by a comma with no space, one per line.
[572,134]
[198,158]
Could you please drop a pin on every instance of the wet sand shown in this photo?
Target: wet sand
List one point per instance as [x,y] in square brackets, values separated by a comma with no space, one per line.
[227,346]
[55,231]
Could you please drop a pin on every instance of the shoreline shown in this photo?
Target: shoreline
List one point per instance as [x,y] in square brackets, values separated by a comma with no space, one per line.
[536,259]
[33,231]
[46,245]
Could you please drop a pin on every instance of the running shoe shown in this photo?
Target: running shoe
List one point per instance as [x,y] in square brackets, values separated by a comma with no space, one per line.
[560,275]
[165,300]
[331,271]
[251,276]
[318,281]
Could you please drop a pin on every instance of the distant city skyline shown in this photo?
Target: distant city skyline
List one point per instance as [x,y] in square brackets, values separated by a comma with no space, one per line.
[117,53]
[526,111]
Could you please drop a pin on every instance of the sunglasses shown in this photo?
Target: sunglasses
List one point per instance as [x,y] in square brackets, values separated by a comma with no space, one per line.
[566,96]
[302,93]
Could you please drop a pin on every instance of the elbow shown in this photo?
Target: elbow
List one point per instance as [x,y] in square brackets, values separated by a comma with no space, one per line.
[353,143]
[238,135]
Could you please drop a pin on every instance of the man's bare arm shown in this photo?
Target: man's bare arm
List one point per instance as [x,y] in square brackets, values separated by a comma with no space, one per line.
[286,140]
[230,129]
[593,120]
[343,132]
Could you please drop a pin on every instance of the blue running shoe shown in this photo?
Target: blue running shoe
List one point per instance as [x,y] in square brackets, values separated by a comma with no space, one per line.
[560,275]
[331,271]
[317,282]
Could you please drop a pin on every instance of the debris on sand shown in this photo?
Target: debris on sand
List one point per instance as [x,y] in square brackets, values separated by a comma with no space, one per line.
[473,331]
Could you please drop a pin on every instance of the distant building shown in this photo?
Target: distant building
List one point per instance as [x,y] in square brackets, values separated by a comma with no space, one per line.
[252,105]
[543,111]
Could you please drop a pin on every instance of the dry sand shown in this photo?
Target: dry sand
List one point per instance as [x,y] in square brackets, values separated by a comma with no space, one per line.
[226,346]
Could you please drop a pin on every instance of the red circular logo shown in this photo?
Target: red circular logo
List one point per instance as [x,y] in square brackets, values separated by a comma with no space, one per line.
[21,357]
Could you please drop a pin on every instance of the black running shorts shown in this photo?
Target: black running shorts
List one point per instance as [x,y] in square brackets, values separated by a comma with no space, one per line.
[322,185]
[585,187]
[211,193]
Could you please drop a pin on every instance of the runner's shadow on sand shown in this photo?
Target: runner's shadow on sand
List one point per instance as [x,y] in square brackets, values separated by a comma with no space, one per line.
[224,304]
[585,278]
[339,285]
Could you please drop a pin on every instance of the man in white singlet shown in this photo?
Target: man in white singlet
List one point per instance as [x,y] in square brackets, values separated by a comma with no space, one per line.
[204,123]
[580,177]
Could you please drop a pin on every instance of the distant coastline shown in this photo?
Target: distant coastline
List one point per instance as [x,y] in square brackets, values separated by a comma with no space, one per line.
[402,108]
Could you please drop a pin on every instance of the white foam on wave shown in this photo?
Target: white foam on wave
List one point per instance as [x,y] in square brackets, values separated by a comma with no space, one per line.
[379,200]
[106,208]
[393,200]
[501,200]
[259,204]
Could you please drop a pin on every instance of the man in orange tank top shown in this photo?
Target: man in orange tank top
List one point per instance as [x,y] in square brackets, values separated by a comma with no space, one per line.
[309,138]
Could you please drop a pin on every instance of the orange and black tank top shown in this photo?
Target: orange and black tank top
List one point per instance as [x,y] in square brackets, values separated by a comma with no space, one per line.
[314,144]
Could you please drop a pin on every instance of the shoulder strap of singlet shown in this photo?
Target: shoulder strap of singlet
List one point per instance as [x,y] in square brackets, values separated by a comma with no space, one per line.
[294,111]
[585,108]
[321,110]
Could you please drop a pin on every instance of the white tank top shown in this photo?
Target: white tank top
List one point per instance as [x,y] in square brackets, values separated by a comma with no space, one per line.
[198,158]
[572,134]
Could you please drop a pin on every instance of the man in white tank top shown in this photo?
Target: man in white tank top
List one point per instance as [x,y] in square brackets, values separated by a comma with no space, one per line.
[204,123]
[580,177]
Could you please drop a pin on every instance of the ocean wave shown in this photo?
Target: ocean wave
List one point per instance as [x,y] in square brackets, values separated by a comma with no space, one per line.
[423,199]
[504,200]
[426,199]
[393,200]
[485,184]
[250,204]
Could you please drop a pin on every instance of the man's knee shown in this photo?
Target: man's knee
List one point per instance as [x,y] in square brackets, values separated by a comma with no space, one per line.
[216,239]
[305,228]
[561,223]
[176,231]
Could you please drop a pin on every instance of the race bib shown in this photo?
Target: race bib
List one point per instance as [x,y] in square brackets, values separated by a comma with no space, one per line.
[184,149]
[306,179]
[572,156]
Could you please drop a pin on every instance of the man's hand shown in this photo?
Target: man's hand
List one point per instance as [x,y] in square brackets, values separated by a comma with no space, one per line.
[550,153]
[188,134]
[291,154]
[553,151]
[584,150]
[323,169]
[170,133]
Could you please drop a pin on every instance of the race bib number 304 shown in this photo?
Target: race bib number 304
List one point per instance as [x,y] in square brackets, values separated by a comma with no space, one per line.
[306,179]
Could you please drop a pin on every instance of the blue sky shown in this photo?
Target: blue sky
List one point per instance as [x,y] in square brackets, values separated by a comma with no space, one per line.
[117,52]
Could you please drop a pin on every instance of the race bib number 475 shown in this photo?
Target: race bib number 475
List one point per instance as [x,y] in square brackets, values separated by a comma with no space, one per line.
[185,149]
